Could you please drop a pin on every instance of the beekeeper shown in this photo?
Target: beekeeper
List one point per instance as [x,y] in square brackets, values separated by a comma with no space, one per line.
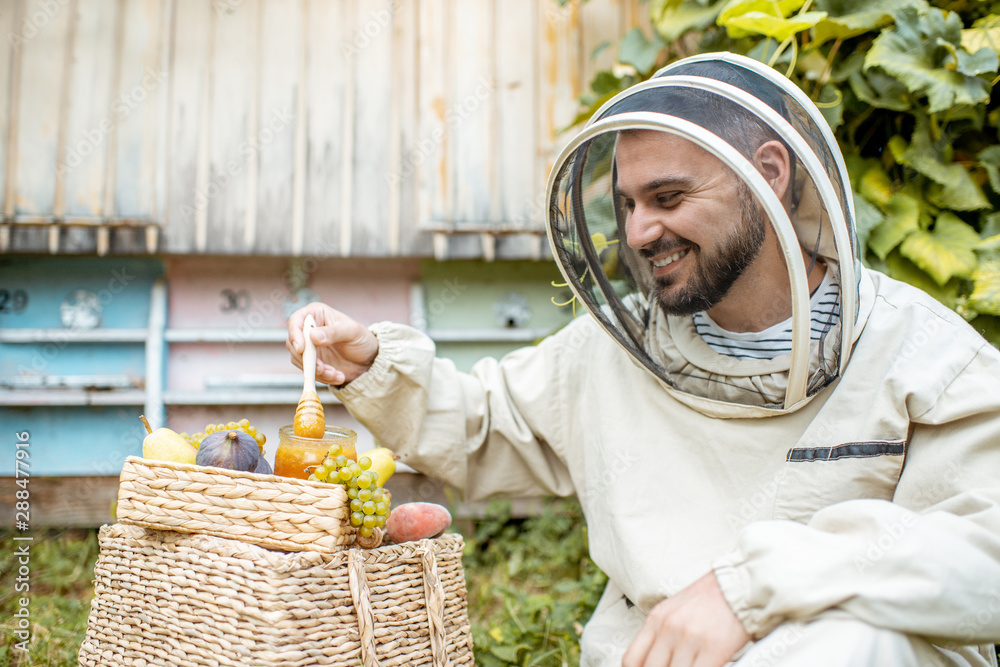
[784,458]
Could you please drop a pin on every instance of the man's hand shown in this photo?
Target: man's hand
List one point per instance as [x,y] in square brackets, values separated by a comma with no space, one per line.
[345,348]
[695,628]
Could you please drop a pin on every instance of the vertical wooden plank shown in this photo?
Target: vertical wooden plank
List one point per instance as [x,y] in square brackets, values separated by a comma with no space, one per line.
[521,188]
[233,70]
[163,146]
[59,203]
[274,145]
[467,120]
[599,24]
[470,116]
[347,139]
[250,162]
[10,27]
[299,145]
[43,55]
[201,156]
[428,155]
[558,86]
[190,35]
[635,13]
[327,72]
[137,108]
[90,116]
[408,77]
[372,108]
[396,92]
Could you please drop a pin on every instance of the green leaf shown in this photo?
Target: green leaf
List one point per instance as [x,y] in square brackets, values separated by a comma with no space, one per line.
[506,653]
[917,53]
[902,219]
[605,82]
[989,159]
[875,186]
[763,23]
[985,297]
[903,269]
[957,189]
[989,244]
[673,19]
[983,61]
[599,49]
[639,51]
[880,90]
[866,218]
[759,17]
[780,8]
[944,252]
[984,33]
[990,224]
[849,18]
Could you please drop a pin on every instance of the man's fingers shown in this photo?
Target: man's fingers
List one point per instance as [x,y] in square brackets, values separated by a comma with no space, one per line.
[684,654]
[329,375]
[295,322]
[329,335]
[635,656]
[295,354]
[320,312]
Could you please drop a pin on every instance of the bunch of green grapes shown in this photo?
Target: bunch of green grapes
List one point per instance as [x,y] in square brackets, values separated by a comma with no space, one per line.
[241,425]
[369,501]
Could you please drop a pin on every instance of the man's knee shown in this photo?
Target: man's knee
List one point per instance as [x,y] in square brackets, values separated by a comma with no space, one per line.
[842,641]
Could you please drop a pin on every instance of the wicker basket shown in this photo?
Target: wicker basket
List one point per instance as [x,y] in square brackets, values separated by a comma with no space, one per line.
[268,510]
[167,598]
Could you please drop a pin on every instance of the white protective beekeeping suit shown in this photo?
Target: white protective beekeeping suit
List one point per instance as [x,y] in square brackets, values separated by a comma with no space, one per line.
[846,495]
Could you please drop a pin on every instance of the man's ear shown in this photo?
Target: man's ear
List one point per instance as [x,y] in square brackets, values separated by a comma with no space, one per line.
[773,162]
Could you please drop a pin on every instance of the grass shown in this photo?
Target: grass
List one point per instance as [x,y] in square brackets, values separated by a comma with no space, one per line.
[61,565]
[531,588]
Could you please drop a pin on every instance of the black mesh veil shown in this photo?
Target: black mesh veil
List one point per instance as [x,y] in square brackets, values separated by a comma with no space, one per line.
[728,109]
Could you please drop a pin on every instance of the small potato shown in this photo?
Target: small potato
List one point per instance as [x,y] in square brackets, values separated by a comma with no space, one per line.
[416,521]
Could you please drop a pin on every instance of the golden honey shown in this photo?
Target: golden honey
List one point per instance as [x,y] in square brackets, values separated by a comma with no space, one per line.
[297,455]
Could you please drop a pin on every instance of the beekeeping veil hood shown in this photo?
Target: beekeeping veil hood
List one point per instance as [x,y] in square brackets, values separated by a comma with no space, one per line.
[710,100]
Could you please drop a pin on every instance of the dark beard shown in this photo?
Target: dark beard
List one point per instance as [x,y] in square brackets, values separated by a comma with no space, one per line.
[714,274]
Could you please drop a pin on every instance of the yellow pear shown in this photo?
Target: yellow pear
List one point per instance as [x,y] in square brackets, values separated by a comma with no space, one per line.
[166,445]
[383,462]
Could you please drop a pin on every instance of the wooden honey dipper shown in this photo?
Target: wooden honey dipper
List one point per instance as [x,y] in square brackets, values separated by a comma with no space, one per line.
[309,421]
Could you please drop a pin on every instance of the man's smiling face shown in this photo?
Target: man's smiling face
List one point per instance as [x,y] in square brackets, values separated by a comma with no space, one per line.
[689,215]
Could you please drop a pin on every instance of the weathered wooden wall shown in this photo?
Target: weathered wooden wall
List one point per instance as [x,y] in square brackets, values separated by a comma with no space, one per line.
[289,127]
